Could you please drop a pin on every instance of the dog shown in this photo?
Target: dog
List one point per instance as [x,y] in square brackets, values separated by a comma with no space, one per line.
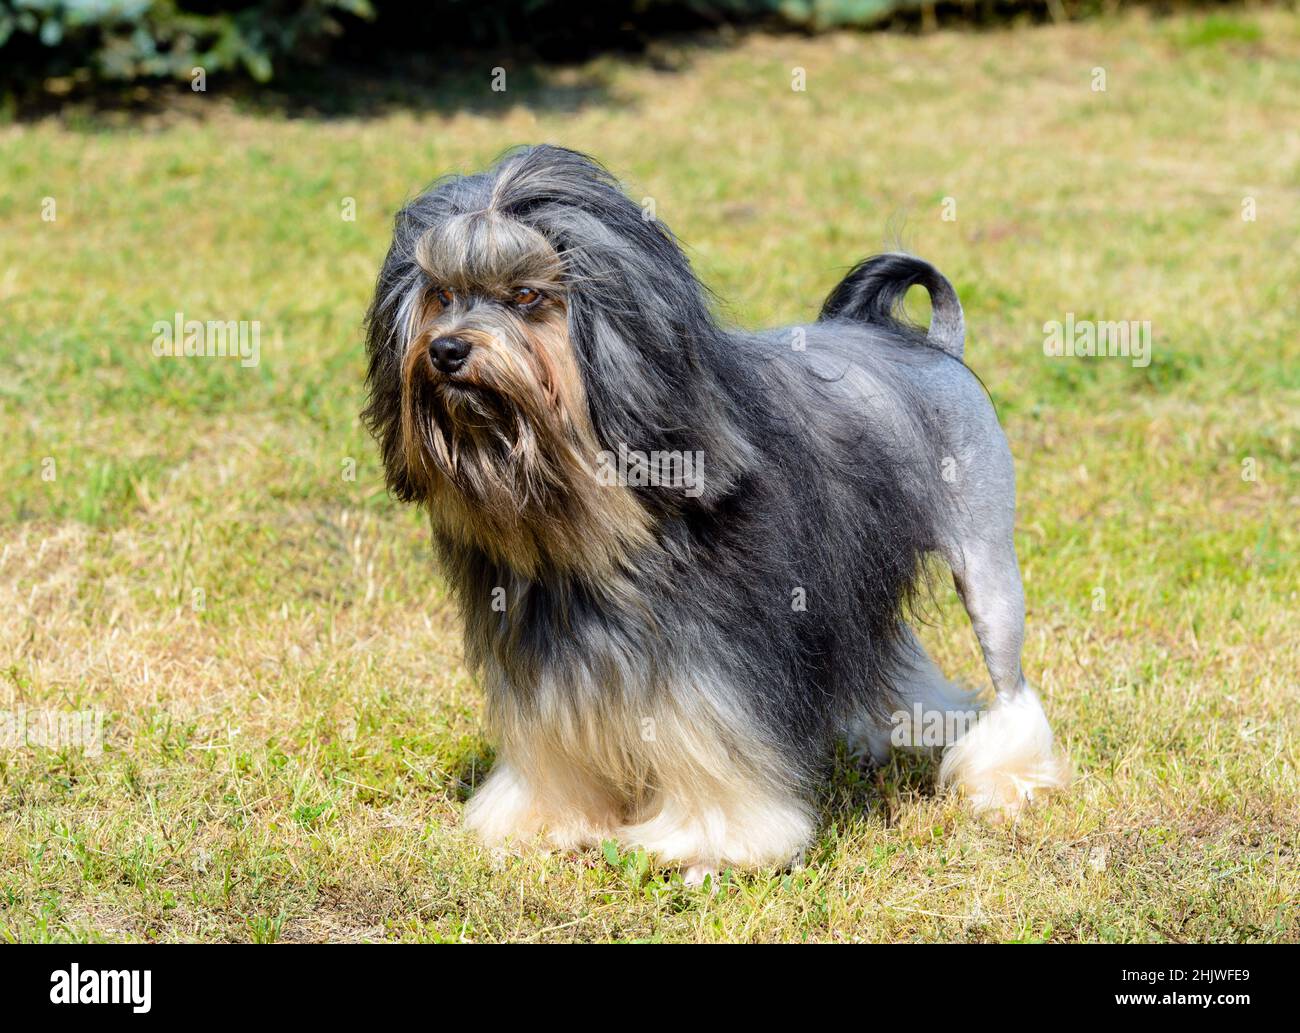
[686,555]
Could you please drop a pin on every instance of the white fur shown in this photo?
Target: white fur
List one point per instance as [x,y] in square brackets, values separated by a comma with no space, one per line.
[568,815]
[738,825]
[1007,758]
[999,764]
[679,771]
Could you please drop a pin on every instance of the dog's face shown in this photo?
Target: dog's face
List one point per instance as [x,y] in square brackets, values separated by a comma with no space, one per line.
[495,429]
[528,320]
[492,402]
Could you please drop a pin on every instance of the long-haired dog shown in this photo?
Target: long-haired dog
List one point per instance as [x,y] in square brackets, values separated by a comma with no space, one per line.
[684,553]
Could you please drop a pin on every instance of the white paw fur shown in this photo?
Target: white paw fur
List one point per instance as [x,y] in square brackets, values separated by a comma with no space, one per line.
[1007,759]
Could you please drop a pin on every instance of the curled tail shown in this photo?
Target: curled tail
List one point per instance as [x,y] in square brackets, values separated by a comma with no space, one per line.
[874,289]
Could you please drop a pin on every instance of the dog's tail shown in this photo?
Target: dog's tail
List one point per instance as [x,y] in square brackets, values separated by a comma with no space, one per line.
[874,289]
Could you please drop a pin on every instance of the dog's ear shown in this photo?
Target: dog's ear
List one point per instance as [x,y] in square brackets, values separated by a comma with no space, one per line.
[385,336]
[650,350]
[639,321]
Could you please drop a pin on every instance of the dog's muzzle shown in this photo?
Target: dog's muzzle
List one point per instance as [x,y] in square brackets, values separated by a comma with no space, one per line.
[448,354]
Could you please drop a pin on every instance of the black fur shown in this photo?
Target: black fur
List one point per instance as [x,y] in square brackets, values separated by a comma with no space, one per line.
[873,292]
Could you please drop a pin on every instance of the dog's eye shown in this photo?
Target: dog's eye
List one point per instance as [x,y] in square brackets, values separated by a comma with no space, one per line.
[444,296]
[526,297]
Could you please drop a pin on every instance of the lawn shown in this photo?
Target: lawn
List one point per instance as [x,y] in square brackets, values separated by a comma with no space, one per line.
[205,552]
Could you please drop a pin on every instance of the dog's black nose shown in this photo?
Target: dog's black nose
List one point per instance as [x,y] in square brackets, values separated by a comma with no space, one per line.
[448,353]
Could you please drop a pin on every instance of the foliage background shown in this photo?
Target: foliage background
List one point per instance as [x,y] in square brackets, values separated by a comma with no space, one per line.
[110,41]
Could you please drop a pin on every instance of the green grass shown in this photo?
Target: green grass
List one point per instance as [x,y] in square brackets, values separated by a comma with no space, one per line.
[290,730]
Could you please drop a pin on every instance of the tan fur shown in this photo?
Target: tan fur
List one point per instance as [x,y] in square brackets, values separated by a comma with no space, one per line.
[507,451]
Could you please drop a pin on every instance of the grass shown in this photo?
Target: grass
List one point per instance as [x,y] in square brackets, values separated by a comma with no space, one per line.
[289,730]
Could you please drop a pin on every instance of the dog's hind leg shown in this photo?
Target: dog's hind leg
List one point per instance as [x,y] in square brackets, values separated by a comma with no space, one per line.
[931,711]
[1009,756]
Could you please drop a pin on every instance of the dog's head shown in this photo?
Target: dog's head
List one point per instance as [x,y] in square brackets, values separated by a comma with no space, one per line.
[528,321]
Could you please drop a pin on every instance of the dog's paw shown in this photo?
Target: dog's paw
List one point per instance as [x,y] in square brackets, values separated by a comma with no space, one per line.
[503,812]
[506,812]
[1007,760]
[999,797]
[696,874]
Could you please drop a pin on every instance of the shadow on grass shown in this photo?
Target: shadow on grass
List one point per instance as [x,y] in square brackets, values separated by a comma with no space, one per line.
[469,770]
[855,789]
[322,96]
[482,85]
[491,87]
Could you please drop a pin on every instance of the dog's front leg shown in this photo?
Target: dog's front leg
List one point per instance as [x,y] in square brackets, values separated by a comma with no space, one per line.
[530,802]
[704,823]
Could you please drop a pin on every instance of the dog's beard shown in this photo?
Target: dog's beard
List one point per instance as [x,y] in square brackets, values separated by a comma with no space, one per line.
[506,458]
